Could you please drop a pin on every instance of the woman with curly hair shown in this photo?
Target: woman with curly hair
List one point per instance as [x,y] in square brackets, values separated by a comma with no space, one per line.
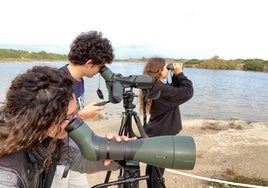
[165,118]
[89,52]
[39,104]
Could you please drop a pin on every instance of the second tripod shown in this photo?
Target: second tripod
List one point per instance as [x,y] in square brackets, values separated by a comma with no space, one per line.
[130,174]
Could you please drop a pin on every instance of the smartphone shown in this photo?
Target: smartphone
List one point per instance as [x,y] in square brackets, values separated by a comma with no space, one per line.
[101,103]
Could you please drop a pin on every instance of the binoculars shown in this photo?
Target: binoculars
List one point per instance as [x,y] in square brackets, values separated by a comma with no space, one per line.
[170,66]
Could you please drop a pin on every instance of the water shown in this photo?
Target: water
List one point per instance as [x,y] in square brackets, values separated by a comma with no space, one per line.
[218,94]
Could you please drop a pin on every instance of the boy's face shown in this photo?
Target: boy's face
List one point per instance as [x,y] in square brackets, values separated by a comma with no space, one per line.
[91,69]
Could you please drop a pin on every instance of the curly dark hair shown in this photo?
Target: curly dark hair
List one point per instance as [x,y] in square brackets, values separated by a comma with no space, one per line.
[91,46]
[35,100]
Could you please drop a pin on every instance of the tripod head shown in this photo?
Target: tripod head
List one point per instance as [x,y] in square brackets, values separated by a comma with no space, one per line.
[128,98]
[116,83]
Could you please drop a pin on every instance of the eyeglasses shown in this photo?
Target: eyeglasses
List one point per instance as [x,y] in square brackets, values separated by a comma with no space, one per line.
[71,116]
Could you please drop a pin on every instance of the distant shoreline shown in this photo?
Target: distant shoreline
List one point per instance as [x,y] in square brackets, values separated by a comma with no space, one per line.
[59,60]
[210,64]
[29,60]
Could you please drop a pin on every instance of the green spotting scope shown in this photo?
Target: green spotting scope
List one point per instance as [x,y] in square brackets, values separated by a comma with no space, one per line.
[116,83]
[176,152]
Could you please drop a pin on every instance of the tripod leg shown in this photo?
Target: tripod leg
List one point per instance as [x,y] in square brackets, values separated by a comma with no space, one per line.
[155,179]
[139,125]
[144,135]
[108,175]
[131,168]
[121,130]
[123,124]
[160,176]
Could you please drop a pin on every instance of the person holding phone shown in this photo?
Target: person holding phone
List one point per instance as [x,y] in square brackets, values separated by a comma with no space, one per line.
[89,52]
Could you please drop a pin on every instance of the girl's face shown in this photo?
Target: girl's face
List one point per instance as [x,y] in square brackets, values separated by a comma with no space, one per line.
[164,72]
[71,114]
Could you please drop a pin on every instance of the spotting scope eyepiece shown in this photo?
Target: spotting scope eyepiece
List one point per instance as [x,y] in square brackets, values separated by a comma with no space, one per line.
[177,152]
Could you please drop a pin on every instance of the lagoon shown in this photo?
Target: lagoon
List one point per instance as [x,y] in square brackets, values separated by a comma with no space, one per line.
[218,94]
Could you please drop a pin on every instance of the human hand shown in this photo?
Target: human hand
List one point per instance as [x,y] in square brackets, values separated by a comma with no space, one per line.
[116,138]
[177,68]
[90,110]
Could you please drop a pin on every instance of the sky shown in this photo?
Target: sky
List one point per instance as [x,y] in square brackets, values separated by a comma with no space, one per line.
[183,29]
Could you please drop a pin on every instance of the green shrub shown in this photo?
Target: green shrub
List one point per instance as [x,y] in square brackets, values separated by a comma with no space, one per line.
[254,64]
[217,63]
[21,54]
[192,62]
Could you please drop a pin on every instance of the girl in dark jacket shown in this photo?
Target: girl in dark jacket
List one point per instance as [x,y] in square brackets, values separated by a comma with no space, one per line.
[165,118]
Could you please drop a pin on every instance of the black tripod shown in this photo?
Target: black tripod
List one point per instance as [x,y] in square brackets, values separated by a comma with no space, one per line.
[129,176]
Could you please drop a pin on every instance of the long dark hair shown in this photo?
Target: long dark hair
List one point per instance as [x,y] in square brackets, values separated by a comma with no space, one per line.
[153,68]
[35,100]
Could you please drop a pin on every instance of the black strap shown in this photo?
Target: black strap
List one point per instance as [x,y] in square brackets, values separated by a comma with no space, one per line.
[67,168]
[49,175]
[144,100]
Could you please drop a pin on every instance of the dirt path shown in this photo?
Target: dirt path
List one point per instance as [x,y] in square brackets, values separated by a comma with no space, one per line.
[222,147]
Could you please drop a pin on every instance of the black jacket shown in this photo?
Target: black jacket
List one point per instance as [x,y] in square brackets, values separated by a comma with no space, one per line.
[165,118]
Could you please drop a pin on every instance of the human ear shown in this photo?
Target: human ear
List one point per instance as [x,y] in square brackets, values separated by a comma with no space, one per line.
[89,63]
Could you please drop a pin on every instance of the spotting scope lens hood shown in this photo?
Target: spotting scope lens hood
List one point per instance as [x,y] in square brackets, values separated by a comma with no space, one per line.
[177,152]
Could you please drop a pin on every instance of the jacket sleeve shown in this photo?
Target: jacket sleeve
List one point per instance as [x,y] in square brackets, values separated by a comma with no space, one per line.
[180,91]
[180,80]
[85,166]
[81,164]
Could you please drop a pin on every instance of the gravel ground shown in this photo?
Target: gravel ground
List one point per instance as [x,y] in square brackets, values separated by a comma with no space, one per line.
[221,147]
